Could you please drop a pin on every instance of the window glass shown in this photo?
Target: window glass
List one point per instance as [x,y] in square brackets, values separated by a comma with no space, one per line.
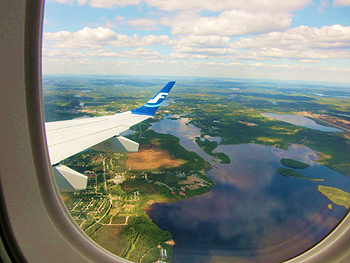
[248,157]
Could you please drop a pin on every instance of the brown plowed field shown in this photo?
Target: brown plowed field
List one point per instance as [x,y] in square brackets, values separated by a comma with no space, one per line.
[146,159]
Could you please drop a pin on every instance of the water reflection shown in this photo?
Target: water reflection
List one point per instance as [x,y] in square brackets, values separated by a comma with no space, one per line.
[252,213]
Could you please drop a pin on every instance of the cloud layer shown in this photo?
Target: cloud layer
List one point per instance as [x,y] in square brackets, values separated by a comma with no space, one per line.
[208,34]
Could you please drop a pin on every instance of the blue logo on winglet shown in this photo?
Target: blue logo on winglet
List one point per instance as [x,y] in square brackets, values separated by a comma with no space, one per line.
[152,105]
[160,96]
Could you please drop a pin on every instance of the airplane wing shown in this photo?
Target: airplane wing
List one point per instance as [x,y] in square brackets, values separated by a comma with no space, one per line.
[66,138]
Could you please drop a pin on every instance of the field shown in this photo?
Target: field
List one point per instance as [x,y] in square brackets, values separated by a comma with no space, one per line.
[108,238]
[152,159]
[190,180]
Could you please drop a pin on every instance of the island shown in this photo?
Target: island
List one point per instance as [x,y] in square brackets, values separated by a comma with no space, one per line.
[292,173]
[209,146]
[291,163]
[336,195]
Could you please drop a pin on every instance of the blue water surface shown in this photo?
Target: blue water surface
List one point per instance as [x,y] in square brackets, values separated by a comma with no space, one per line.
[252,213]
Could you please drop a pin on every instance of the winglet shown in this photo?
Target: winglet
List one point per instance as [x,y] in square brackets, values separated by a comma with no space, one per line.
[153,104]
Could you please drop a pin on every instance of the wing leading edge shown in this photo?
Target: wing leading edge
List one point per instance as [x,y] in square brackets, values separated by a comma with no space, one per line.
[66,138]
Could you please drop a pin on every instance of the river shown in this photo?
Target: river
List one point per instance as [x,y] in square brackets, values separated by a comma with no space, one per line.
[252,213]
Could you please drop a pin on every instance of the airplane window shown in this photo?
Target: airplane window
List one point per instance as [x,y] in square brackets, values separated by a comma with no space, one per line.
[247,158]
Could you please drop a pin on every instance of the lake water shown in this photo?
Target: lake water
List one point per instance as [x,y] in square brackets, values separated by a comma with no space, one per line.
[252,213]
[300,121]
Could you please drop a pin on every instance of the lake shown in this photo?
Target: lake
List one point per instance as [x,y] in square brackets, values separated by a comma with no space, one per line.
[300,121]
[252,214]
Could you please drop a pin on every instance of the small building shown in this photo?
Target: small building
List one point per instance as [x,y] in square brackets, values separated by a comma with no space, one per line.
[163,253]
[118,179]
[90,174]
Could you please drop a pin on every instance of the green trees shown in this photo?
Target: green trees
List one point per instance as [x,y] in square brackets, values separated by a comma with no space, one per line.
[143,236]
[209,147]
[292,173]
[294,163]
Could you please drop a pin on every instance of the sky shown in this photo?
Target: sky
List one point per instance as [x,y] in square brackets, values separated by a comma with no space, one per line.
[270,39]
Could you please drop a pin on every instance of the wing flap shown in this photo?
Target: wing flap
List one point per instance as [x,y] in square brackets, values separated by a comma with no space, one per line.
[69,180]
[117,144]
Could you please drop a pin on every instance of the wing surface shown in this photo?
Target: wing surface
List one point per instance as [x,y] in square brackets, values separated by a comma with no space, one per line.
[66,138]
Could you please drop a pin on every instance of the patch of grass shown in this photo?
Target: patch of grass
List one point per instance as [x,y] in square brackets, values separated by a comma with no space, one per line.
[151,256]
[118,220]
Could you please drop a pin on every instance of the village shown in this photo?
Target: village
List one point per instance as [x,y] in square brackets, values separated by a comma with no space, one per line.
[120,191]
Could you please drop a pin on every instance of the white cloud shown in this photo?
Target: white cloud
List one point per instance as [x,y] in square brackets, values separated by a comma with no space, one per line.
[290,39]
[82,2]
[155,62]
[237,17]
[85,38]
[302,43]
[112,3]
[77,54]
[272,6]
[141,53]
[174,63]
[177,55]
[100,3]
[213,52]
[89,38]
[137,53]
[85,65]
[145,24]
[208,41]
[62,1]
[323,6]
[308,61]
[283,66]
[341,2]
[209,31]
[227,23]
